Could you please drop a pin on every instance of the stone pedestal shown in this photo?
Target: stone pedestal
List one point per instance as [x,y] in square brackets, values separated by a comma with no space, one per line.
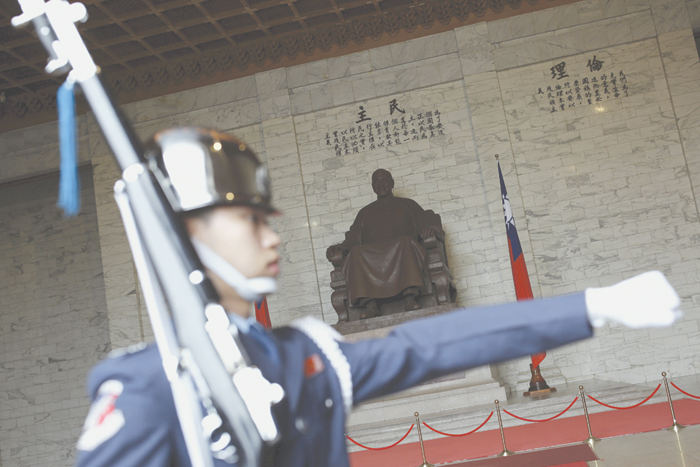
[448,394]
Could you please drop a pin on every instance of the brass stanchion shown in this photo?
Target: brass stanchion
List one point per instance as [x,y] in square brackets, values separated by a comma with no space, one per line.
[420,438]
[680,446]
[591,439]
[505,451]
[676,426]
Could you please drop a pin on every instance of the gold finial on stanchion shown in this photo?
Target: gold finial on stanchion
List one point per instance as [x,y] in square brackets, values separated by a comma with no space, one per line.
[505,451]
[496,156]
[420,438]
[591,439]
[676,426]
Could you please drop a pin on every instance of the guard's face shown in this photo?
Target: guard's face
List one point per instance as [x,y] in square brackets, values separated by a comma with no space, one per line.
[242,236]
[382,183]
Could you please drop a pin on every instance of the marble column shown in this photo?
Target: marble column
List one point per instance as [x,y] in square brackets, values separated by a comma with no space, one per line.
[127,314]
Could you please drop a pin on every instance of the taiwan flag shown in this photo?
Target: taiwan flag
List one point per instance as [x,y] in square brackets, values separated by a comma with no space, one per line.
[523,289]
[262,313]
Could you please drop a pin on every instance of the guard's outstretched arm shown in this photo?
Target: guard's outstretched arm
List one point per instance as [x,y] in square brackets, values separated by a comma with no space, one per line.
[431,347]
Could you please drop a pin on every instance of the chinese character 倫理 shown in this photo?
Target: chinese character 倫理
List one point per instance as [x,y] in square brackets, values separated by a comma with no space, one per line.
[595,64]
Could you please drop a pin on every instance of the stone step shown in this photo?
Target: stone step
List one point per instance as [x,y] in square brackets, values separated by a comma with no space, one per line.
[378,434]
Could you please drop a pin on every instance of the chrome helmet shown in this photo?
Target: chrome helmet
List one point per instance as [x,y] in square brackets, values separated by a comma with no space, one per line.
[200,167]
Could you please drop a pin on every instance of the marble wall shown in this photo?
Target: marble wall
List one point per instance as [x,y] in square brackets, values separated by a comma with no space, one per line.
[53,320]
[600,191]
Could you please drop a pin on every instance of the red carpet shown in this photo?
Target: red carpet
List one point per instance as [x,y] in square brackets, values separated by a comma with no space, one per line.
[650,417]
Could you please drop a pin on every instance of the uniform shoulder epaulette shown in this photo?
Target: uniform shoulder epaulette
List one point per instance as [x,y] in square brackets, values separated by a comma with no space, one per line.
[120,352]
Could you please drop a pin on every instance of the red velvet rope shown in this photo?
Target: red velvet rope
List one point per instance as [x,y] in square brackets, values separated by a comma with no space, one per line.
[381,449]
[520,418]
[546,419]
[463,434]
[625,408]
[689,395]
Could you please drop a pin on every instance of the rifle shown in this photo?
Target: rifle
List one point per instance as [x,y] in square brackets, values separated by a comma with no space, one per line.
[223,403]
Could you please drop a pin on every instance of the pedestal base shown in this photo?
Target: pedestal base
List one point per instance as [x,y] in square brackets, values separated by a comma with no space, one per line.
[459,392]
[540,392]
[373,328]
[455,392]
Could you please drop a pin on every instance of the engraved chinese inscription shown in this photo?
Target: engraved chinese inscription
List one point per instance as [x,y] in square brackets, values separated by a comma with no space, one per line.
[376,131]
[595,86]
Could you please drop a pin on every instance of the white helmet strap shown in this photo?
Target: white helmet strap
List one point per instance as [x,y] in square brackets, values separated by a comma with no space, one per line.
[252,290]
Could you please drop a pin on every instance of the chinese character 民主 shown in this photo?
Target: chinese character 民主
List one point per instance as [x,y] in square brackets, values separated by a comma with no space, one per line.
[363,115]
[393,105]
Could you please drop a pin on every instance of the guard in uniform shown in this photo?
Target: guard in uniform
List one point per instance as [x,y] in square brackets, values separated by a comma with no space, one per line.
[223,196]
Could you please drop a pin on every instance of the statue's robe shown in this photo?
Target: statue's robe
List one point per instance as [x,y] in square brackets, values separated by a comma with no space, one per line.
[385,255]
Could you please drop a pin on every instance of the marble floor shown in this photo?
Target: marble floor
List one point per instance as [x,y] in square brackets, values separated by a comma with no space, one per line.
[667,448]
[662,448]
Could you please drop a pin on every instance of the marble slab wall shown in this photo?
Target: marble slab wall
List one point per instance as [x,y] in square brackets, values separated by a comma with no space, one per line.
[599,191]
[53,321]
[608,187]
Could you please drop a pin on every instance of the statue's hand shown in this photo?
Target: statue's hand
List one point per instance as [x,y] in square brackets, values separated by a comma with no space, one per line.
[431,231]
[427,232]
[335,251]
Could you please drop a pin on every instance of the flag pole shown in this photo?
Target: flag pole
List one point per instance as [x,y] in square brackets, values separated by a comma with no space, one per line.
[523,289]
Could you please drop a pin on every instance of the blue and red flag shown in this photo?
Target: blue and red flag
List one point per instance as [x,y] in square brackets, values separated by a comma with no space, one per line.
[262,313]
[523,289]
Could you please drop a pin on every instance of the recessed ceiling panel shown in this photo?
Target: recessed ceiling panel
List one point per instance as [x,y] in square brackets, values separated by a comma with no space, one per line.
[142,42]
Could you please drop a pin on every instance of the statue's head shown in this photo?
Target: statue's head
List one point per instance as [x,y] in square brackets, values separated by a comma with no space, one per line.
[382,182]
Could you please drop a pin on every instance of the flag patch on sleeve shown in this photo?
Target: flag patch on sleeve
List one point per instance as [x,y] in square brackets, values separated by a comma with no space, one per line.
[313,365]
[104,420]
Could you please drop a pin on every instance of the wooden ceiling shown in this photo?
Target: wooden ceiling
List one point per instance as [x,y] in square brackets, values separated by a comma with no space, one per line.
[147,48]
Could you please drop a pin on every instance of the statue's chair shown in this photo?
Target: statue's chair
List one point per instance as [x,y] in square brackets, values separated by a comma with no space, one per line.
[439,282]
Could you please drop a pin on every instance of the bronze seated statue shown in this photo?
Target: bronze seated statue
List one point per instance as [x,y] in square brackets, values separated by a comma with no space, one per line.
[393,258]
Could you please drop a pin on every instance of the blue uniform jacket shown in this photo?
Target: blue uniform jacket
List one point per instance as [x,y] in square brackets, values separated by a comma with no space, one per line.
[133,420]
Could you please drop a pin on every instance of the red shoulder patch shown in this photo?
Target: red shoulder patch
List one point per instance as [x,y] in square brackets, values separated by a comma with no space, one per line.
[313,365]
[104,420]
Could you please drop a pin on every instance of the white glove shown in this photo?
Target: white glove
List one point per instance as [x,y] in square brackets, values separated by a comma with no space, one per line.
[646,300]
